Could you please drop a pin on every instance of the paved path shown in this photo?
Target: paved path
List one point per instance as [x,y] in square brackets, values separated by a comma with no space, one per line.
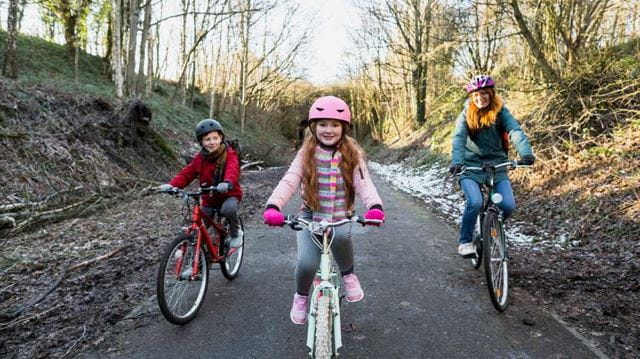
[421,301]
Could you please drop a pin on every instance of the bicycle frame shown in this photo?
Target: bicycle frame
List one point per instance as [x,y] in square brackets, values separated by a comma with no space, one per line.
[198,227]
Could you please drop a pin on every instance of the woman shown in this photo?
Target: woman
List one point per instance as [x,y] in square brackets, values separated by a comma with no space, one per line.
[478,140]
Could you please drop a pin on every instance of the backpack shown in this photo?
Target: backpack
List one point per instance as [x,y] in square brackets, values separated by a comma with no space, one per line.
[218,176]
[503,134]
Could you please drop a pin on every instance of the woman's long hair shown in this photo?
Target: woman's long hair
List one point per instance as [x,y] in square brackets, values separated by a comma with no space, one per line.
[351,155]
[481,118]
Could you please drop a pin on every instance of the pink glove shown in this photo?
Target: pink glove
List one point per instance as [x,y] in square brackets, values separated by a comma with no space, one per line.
[273,217]
[374,214]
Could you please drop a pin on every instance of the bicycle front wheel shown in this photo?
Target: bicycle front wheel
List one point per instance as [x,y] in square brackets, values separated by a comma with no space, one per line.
[495,261]
[230,265]
[180,292]
[324,329]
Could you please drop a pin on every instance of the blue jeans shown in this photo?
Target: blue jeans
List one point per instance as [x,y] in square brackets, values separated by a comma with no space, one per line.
[473,206]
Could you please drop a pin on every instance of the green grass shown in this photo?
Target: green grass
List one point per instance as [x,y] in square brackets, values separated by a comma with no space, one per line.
[45,63]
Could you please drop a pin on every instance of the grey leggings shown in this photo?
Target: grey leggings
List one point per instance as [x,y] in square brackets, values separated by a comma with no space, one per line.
[228,210]
[309,256]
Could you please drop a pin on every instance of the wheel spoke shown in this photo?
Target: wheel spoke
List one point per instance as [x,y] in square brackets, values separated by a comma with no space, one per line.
[496,262]
[180,296]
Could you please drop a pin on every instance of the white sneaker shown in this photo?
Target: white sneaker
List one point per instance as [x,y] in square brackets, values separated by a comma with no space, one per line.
[235,242]
[466,249]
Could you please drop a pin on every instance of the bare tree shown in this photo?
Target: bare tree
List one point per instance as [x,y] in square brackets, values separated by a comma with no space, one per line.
[266,71]
[143,47]
[407,27]
[561,32]
[10,66]
[182,82]
[116,57]
[130,77]
[481,25]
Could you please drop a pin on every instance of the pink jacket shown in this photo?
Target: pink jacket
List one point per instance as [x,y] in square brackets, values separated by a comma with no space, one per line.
[289,184]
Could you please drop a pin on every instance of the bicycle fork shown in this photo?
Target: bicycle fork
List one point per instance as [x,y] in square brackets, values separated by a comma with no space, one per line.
[325,288]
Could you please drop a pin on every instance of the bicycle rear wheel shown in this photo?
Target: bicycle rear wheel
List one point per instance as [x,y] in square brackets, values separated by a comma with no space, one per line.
[323,347]
[230,265]
[180,294]
[495,261]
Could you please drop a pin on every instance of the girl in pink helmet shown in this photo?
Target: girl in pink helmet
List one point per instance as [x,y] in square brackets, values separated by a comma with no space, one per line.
[331,170]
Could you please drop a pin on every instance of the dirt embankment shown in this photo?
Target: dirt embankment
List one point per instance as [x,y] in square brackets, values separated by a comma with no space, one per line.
[70,160]
[82,248]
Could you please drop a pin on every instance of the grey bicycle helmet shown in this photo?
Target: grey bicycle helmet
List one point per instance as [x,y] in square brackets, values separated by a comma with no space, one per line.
[207,125]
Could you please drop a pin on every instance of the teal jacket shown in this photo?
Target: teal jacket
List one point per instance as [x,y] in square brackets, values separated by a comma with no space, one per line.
[486,147]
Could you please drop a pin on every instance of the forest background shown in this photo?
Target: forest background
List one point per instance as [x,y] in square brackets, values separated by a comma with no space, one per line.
[100,96]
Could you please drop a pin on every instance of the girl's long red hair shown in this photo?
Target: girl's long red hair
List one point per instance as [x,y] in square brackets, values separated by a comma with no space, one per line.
[481,118]
[351,155]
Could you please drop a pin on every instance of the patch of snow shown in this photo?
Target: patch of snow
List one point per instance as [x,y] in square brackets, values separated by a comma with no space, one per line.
[433,185]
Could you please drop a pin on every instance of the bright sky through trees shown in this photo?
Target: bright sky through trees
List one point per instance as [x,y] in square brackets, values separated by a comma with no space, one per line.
[330,40]
[326,55]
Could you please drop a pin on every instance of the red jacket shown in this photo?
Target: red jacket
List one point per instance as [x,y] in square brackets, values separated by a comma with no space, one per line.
[204,170]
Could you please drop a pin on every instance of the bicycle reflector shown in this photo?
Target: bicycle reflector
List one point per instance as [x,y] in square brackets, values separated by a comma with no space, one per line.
[496,198]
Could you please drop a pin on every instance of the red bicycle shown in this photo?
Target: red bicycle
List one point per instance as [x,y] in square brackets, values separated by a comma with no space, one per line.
[183,275]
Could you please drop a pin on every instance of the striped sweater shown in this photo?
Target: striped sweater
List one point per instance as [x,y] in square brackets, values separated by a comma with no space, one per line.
[331,192]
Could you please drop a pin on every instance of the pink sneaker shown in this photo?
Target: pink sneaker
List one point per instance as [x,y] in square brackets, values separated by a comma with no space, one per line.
[352,287]
[299,309]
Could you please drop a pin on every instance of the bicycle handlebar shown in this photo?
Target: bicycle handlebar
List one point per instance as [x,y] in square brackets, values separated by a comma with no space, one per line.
[511,165]
[179,192]
[295,222]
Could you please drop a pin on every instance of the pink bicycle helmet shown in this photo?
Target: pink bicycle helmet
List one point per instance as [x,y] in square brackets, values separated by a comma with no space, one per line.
[330,107]
[479,82]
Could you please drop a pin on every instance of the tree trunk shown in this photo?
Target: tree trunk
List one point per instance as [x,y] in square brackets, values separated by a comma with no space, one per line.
[22,5]
[150,72]
[143,46]
[192,86]
[214,76]
[109,50]
[10,66]
[76,60]
[130,77]
[244,35]
[182,82]
[116,58]
[69,22]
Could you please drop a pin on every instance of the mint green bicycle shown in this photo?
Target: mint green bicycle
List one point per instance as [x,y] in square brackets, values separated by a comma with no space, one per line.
[324,336]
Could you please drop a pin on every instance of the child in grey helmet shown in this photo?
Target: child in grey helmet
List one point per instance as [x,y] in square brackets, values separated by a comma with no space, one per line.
[218,165]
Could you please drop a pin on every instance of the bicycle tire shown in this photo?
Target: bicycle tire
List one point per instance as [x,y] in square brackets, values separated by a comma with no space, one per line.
[230,266]
[495,263]
[323,347]
[476,261]
[180,297]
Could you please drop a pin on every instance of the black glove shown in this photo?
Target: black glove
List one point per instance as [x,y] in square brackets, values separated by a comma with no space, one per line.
[223,187]
[527,160]
[455,169]
[166,188]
